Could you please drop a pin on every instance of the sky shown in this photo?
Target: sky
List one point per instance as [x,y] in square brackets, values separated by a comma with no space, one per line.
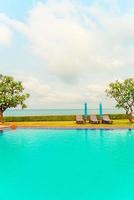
[66,52]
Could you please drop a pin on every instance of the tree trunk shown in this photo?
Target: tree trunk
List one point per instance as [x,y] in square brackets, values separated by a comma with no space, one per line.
[1,117]
[130,117]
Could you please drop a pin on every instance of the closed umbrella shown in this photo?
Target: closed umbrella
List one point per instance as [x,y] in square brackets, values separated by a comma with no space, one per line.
[85,110]
[100,110]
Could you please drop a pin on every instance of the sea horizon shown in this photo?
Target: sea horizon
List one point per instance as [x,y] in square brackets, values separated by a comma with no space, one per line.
[58,111]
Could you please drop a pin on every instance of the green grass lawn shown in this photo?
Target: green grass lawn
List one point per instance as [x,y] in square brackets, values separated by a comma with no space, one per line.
[116,123]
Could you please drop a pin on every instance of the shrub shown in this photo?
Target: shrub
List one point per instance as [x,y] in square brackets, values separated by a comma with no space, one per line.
[53,118]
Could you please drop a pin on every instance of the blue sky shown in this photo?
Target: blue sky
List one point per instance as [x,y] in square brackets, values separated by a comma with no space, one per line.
[18,9]
[66,52]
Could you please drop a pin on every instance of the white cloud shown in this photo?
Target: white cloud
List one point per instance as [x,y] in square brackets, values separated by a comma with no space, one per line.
[69,47]
[96,91]
[71,42]
[33,85]
[5,35]
[12,23]
[45,95]
[73,39]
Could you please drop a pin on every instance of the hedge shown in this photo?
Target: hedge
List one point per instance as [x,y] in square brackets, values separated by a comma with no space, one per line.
[53,118]
[119,116]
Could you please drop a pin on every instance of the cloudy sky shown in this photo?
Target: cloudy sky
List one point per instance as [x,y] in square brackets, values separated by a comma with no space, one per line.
[67,51]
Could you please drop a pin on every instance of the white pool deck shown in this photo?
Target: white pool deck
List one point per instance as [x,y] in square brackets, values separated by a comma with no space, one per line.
[3,127]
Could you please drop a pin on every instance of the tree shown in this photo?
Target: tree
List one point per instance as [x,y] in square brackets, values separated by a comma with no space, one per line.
[123,93]
[11,94]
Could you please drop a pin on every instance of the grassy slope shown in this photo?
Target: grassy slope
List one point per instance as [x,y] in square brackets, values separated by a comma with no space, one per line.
[116,123]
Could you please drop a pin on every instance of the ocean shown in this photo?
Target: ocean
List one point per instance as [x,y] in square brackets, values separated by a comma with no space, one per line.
[40,112]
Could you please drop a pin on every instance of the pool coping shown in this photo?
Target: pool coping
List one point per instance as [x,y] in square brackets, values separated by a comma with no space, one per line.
[68,127]
[76,127]
[4,127]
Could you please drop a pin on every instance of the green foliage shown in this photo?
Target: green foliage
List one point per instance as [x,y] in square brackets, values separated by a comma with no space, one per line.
[11,93]
[53,118]
[123,93]
[118,116]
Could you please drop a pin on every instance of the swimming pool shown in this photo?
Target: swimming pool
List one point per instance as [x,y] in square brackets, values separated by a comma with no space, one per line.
[44,164]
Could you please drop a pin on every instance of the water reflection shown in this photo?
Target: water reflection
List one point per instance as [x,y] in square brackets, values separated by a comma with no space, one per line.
[130,137]
[86,135]
[1,132]
[101,133]
[130,132]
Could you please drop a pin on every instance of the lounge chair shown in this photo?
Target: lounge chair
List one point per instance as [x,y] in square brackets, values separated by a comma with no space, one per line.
[93,119]
[79,119]
[106,119]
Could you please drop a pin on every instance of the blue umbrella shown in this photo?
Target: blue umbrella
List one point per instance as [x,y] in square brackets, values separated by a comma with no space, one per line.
[85,110]
[100,110]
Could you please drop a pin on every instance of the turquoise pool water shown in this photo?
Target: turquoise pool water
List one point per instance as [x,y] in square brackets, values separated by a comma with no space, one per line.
[41,164]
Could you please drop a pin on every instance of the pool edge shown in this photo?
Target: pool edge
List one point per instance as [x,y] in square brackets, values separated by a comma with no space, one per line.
[75,127]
